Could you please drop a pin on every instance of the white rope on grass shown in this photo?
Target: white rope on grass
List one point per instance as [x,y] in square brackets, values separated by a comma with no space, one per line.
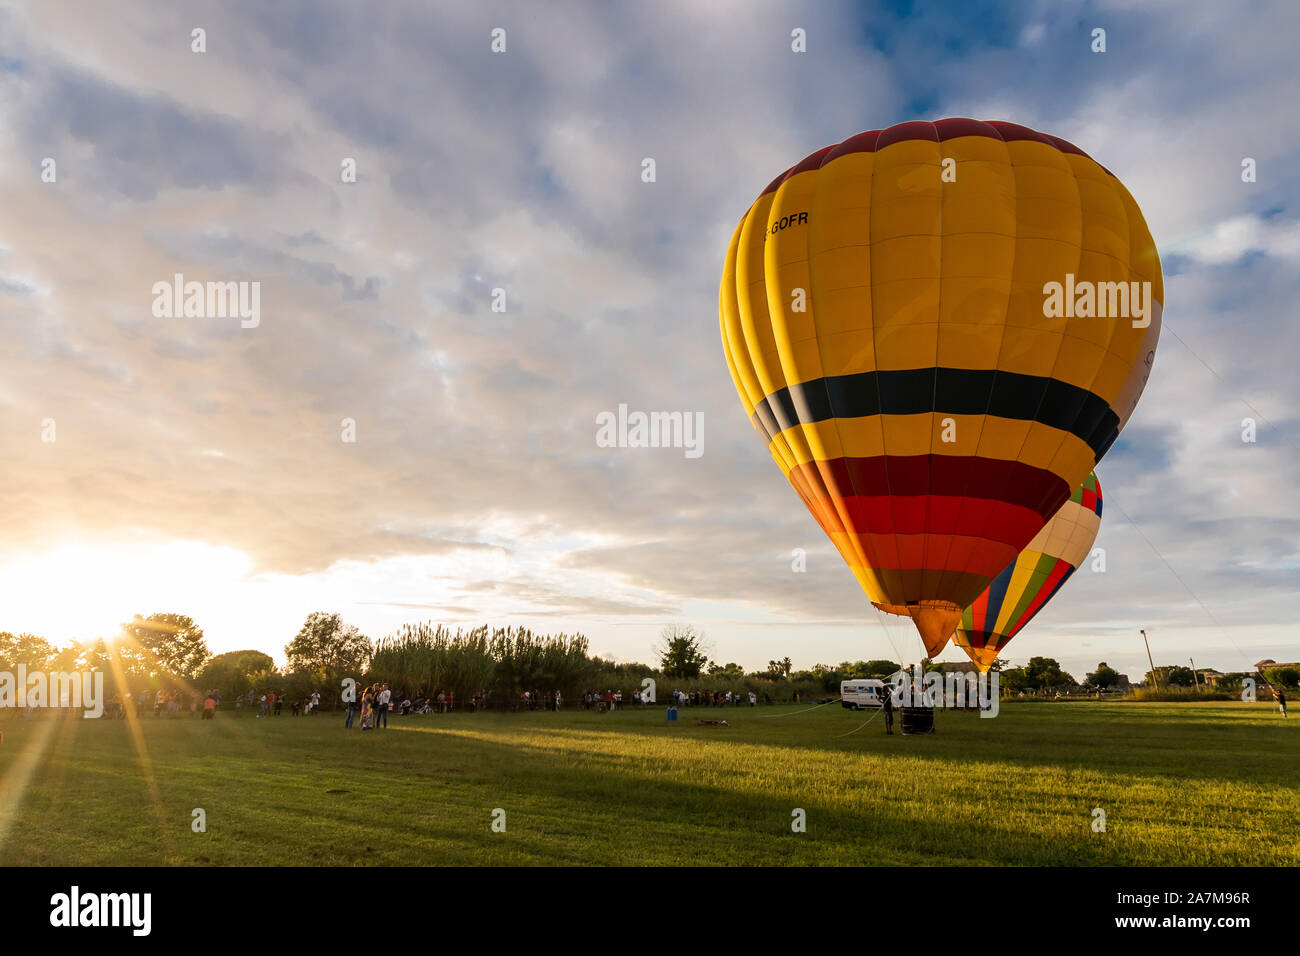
[863,724]
[811,707]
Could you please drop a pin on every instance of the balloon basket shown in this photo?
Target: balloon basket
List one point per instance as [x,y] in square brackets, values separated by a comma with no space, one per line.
[917,720]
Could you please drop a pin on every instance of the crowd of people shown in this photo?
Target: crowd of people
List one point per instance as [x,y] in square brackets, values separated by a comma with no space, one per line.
[373,707]
[271,704]
[715,698]
[370,708]
[163,703]
[172,703]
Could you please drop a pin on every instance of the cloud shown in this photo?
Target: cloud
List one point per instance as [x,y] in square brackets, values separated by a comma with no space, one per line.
[475,489]
[1234,238]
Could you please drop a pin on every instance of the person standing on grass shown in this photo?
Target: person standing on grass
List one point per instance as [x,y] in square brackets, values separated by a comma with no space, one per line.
[1281,700]
[381,715]
[352,713]
[367,709]
[209,706]
[887,705]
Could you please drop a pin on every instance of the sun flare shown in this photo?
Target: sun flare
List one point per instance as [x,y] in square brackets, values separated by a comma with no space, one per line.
[86,589]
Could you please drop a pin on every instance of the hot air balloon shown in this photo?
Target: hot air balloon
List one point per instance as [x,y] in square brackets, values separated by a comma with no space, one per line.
[924,325]
[1029,582]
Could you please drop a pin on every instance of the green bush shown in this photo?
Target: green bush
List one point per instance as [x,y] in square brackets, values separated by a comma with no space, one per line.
[1180,694]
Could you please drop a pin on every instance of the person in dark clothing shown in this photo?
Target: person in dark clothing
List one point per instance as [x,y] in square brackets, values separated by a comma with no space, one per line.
[887,705]
[1281,700]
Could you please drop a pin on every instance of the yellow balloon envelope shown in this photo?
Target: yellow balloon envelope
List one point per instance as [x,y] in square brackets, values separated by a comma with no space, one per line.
[927,326]
[1028,583]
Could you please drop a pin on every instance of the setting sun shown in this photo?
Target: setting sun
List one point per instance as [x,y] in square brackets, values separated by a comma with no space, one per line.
[83,590]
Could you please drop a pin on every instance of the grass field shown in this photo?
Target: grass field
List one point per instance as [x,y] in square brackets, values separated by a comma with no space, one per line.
[1194,784]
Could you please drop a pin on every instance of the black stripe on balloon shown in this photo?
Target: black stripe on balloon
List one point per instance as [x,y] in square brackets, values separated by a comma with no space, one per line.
[947,391]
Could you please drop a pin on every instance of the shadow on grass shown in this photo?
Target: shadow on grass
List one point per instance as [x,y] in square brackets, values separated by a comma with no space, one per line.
[610,791]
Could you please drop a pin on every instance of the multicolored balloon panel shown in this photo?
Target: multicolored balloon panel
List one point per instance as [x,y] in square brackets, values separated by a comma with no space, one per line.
[1023,587]
[883,315]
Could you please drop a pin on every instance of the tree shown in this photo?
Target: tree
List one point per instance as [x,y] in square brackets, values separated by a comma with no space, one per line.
[172,643]
[732,670]
[233,672]
[1046,673]
[1173,676]
[35,652]
[855,670]
[1103,677]
[329,647]
[1286,676]
[681,651]
[776,670]
[1013,679]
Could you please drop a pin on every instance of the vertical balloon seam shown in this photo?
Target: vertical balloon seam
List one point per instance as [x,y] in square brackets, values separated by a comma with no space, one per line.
[869,261]
[1126,200]
[745,316]
[928,498]
[892,582]
[1044,497]
[1115,329]
[988,405]
[816,465]
[744,377]
[866,546]
[867,569]
[1002,344]
[794,437]
[781,442]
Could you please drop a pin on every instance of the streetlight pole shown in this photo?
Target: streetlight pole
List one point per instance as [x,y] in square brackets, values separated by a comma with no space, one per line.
[1155,678]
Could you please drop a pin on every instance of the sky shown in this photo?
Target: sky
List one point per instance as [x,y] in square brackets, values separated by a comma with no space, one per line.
[192,465]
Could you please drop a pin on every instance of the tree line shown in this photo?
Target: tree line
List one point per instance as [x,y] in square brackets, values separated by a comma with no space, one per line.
[166,651]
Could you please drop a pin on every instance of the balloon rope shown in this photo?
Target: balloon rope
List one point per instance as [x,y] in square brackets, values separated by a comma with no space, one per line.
[884,625]
[811,707]
[863,724]
[1110,501]
[1164,327]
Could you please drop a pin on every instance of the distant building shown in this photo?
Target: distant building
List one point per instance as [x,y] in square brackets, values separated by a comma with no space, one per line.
[1269,664]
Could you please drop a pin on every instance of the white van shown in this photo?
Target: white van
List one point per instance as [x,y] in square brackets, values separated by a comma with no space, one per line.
[862,692]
